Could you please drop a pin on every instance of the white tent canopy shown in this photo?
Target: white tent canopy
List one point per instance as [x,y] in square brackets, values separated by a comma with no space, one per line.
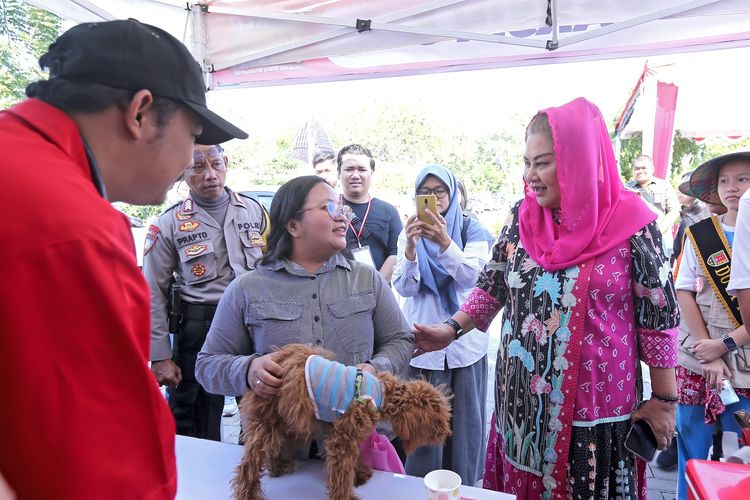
[272,42]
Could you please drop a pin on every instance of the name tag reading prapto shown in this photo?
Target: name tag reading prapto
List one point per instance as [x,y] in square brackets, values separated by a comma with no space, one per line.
[363,255]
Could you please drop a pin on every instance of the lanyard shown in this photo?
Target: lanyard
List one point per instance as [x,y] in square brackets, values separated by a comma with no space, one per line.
[96,176]
[364,219]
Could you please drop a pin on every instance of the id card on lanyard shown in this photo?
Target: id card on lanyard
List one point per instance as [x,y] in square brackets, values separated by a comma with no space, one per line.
[362,253]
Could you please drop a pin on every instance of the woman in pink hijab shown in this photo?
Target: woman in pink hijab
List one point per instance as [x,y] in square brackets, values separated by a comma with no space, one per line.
[587,293]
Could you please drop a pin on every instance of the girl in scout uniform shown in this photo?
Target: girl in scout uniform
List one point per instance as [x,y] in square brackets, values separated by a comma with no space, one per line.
[714,345]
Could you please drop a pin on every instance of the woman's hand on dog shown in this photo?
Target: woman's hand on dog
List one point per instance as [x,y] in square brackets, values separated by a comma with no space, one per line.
[264,375]
[367,367]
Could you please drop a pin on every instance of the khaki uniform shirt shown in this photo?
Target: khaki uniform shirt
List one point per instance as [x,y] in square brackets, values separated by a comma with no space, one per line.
[718,323]
[185,240]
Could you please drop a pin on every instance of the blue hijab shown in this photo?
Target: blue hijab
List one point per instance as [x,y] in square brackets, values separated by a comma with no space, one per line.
[435,279]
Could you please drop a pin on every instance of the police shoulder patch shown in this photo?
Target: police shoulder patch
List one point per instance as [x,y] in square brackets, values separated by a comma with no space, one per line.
[151,237]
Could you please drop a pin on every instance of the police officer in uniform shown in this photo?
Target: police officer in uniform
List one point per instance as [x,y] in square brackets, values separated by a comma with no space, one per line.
[200,244]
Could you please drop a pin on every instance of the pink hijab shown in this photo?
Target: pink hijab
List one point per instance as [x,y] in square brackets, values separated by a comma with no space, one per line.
[598,212]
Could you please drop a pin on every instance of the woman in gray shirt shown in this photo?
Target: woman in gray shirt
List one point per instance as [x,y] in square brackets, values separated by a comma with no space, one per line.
[303,291]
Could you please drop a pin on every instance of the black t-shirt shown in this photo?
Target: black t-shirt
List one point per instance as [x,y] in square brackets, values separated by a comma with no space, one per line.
[382,227]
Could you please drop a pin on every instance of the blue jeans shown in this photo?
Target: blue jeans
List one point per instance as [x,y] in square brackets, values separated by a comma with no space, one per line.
[694,436]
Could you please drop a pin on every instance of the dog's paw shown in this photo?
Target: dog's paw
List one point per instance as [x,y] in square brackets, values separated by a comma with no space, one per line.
[282,467]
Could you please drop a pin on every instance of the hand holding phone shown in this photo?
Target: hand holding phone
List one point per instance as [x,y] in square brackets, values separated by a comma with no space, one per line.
[641,440]
[425,201]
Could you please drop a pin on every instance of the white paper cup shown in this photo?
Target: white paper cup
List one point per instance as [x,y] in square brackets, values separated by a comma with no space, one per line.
[442,484]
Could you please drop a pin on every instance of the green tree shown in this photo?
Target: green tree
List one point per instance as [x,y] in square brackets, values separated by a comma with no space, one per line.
[629,149]
[25,34]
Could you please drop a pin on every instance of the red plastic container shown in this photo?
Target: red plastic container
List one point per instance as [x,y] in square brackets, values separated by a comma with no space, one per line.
[708,480]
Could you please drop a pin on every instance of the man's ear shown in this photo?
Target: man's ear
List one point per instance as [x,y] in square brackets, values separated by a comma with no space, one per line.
[140,105]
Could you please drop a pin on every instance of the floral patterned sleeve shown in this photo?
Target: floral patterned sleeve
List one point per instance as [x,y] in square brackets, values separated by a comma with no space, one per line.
[656,314]
[489,294]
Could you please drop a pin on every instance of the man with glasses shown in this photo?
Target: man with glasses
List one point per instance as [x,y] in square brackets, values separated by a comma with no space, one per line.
[205,241]
[115,121]
[372,235]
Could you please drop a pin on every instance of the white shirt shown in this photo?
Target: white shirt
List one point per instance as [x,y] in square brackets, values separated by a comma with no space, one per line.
[464,266]
[739,279]
[686,278]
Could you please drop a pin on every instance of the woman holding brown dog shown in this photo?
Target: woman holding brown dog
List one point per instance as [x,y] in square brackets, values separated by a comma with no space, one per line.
[587,291]
[304,291]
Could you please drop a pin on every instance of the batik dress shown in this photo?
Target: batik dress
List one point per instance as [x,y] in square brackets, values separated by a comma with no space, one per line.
[568,363]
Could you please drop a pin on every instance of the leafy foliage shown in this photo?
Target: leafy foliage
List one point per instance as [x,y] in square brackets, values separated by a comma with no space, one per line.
[25,34]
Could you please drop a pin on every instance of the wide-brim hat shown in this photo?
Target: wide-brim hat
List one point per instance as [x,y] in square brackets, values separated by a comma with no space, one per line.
[704,180]
[130,55]
[684,186]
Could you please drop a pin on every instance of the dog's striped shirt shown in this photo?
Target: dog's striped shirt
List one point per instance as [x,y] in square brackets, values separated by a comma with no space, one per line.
[331,386]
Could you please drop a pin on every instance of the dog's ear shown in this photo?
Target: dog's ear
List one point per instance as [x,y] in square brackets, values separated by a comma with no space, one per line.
[420,413]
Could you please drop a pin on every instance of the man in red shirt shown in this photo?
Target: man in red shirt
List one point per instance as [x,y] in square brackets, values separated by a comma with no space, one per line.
[82,414]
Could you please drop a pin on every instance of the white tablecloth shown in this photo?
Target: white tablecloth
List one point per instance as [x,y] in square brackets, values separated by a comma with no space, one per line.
[204,469]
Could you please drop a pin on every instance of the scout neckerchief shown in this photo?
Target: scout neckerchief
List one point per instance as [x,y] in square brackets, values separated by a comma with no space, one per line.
[715,257]
[361,226]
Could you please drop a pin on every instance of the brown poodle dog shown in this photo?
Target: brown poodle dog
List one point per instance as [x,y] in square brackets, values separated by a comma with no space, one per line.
[420,415]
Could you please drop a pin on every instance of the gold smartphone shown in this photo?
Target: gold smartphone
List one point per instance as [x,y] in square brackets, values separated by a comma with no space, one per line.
[425,201]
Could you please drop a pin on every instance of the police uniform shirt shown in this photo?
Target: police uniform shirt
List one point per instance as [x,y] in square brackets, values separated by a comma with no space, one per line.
[187,241]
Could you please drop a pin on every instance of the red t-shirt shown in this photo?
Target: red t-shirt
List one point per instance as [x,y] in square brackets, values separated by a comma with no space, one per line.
[82,415]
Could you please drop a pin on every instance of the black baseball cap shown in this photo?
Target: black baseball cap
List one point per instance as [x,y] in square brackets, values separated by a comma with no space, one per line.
[131,55]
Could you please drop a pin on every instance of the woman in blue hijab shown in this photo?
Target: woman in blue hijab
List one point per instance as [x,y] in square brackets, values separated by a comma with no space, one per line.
[437,265]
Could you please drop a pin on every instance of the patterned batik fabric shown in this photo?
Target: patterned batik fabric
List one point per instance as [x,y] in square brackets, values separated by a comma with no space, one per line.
[692,389]
[570,341]
[600,467]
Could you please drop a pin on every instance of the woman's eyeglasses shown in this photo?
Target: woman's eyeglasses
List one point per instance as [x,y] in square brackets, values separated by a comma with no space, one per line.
[336,211]
[439,192]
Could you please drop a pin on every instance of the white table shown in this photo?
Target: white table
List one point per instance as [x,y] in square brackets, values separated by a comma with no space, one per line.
[204,469]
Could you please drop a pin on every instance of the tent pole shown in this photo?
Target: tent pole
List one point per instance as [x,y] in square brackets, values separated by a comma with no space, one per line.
[198,39]
[555,27]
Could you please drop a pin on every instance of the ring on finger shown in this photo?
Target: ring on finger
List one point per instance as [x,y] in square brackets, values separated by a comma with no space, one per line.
[257,383]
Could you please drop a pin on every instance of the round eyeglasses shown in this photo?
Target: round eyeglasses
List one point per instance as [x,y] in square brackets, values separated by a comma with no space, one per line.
[336,211]
[439,192]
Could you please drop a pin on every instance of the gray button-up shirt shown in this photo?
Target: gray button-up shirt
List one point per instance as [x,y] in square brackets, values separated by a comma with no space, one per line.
[345,307]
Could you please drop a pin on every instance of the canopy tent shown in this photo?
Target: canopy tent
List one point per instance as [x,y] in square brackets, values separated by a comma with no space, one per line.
[272,42]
